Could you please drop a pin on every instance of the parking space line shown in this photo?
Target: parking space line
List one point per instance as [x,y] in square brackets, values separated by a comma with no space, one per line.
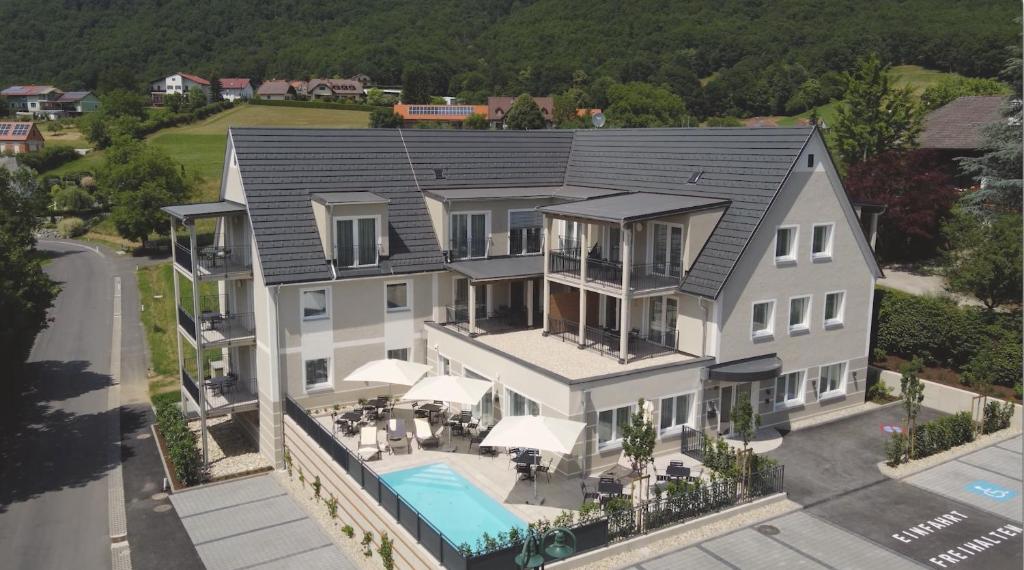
[701,548]
[880,546]
[802,553]
[984,468]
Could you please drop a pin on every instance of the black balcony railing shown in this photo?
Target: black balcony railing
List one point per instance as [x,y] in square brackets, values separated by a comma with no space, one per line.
[525,243]
[222,259]
[564,262]
[604,271]
[350,257]
[187,322]
[226,326]
[183,256]
[646,276]
[457,317]
[607,342]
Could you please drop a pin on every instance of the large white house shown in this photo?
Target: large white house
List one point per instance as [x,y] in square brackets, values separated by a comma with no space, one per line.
[576,271]
[179,83]
[235,88]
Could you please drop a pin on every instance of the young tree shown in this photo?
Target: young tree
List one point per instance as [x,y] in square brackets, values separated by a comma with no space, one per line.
[138,179]
[913,395]
[874,117]
[174,102]
[415,86]
[385,119]
[196,99]
[918,191]
[745,421]
[476,121]
[639,104]
[524,114]
[638,439]
[984,257]
[215,89]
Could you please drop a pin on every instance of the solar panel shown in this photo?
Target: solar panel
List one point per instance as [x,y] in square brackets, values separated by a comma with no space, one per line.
[5,129]
[21,130]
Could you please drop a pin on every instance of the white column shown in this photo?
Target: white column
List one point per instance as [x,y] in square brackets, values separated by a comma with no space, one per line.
[626,247]
[529,303]
[197,320]
[489,300]
[546,303]
[874,229]
[472,308]
[584,234]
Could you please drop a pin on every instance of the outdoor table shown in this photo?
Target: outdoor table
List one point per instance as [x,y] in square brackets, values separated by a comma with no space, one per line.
[432,410]
[677,472]
[609,488]
[378,403]
[527,457]
[352,416]
[218,383]
[210,319]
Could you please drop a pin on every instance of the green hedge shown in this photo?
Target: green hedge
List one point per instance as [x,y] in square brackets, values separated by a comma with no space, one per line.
[159,122]
[997,416]
[967,339]
[942,434]
[181,443]
[317,105]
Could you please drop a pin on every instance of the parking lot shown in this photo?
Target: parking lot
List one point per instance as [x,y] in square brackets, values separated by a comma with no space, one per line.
[963,513]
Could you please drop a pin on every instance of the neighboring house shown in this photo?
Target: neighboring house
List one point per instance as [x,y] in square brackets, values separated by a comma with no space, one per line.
[235,88]
[78,102]
[576,271]
[300,88]
[276,90]
[497,108]
[956,126]
[330,89]
[442,114]
[30,99]
[180,83]
[19,137]
[362,79]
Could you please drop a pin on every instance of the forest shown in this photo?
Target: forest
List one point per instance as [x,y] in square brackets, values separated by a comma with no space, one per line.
[728,57]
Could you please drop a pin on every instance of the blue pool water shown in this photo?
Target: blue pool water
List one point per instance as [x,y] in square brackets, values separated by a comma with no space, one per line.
[451,503]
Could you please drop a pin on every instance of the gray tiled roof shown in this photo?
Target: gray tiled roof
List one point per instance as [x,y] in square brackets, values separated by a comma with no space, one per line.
[957,125]
[281,168]
[633,206]
[744,165]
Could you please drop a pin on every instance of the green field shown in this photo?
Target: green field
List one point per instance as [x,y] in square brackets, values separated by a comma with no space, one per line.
[199,147]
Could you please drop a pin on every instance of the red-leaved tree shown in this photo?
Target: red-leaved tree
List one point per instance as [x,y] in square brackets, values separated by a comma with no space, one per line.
[918,190]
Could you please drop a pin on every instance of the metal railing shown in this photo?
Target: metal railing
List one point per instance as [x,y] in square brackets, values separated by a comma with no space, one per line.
[187,322]
[564,261]
[221,393]
[645,276]
[530,244]
[604,271]
[606,342]
[457,317]
[691,443]
[223,259]
[183,256]
[226,326]
[353,257]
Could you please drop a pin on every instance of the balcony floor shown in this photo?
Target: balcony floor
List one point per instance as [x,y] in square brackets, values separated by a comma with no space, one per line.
[565,359]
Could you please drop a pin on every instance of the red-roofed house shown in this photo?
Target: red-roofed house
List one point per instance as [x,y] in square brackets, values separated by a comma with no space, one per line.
[233,88]
[497,108]
[30,99]
[179,83]
[19,137]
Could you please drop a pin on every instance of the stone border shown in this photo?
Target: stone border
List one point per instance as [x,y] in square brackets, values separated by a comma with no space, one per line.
[730,517]
[925,463]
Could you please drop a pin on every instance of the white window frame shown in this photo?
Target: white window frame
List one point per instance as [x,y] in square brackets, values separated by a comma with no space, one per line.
[801,389]
[302,307]
[676,428]
[668,244]
[408,297]
[508,233]
[323,386]
[841,388]
[506,406]
[469,229]
[355,237]
[837,322]
[794,245]
[646,321]
[764,333]
[477,409]
[439,368]
[612,443]
[827,254]
[804,326]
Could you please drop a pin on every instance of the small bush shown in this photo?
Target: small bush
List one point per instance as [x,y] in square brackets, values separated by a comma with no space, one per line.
[348,531]
[316,486]
[896,450]
[70,227]
[385,552]
[367,543]
[332,506]
[181,443]
[880,393]
[997,416]
[48,157]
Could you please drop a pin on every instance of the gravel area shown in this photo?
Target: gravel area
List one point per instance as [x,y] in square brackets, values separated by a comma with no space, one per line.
[833,416]
[918,465]
[677,541]
[232,453]
[332,527]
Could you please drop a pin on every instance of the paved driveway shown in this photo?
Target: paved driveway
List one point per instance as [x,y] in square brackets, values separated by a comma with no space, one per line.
[254,523]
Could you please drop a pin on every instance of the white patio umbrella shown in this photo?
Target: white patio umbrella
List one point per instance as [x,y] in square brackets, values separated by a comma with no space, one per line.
[535,432]
[388,371]
[451,389]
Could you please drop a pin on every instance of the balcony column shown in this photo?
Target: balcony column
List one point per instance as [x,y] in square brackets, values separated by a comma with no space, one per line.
[529,303]
[626,247]
[584,233]
[198,317]
[547,306]
[177,306]
[546,241]
[472,308]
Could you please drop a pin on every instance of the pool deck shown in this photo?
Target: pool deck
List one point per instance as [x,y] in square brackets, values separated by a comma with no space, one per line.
[495,475]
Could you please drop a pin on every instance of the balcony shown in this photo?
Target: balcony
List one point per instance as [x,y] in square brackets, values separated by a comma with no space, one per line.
[224,394]
[642,276]
[216,261]
[219,328]
[504,319]
[606,342]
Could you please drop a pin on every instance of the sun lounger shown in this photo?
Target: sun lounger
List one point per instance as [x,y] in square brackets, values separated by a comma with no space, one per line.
[368,446]
[424,436]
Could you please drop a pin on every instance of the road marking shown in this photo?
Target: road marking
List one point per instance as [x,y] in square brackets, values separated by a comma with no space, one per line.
[990,490]
[120,552]
[94,249]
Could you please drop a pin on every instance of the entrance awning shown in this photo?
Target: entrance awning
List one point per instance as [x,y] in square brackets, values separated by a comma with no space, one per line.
[188,212]
[764,367]
[500,268]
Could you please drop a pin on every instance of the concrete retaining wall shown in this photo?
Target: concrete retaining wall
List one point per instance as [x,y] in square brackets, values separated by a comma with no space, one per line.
[943,398]
[355,506]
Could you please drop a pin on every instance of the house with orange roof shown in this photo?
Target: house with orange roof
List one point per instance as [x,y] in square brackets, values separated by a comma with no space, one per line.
[234,88]
[20,136]
[443,114]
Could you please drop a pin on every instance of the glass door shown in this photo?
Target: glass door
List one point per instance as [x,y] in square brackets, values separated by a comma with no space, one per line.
[468,235]
[667,250]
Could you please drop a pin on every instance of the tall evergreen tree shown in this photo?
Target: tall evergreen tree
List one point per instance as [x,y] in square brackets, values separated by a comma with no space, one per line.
[215,89]
[874,116]
[524,114]
[415,86]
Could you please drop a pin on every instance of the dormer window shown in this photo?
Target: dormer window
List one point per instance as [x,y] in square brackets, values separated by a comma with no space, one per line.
[469,235]
[355,241]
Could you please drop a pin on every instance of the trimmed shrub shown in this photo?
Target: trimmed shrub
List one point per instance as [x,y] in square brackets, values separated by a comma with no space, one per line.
[896,450]
[48,157]
[998,359]
[996,416]
[181,443]
[317,105]
[942,434]
[70,227]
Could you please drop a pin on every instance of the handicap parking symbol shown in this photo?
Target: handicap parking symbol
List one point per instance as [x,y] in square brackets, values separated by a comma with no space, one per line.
[891,429]
[990,491]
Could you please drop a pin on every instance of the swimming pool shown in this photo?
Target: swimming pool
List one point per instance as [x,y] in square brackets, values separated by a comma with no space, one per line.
[451,503]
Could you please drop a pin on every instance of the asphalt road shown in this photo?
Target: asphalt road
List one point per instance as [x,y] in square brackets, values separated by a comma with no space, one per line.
[53,499]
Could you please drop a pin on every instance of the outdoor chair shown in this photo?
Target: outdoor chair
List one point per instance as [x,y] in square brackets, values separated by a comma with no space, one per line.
[588,493]
[424,436]
[368,445]
[545,469]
